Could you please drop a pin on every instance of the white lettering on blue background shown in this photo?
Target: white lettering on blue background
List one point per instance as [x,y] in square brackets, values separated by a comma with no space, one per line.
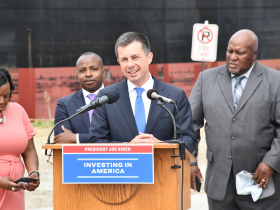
[103,165]
[107,171]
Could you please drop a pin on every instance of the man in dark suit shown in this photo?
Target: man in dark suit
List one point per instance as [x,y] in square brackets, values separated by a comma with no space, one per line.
[240,102]
[90,72]
[134,117]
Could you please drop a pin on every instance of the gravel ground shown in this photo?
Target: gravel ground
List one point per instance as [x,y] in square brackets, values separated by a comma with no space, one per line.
[42,198]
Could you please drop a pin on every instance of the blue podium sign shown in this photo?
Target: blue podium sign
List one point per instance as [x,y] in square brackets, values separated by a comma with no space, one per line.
[108,164]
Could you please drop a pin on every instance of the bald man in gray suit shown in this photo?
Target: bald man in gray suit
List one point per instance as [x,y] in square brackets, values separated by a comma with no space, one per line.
[240,102]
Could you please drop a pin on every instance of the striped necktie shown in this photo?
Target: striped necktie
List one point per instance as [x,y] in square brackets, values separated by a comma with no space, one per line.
[237,93]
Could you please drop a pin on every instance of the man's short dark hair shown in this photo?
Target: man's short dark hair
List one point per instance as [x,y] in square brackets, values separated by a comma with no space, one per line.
[129,37]
[93,54]
[5,77]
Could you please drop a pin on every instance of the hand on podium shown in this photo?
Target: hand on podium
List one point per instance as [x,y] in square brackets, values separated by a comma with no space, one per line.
[145,138]
[66,137]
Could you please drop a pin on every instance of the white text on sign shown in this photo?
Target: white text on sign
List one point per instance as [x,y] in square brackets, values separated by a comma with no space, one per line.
[106,149]
[110,168]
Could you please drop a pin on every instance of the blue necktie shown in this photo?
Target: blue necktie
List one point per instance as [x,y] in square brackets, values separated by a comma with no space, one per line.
[91,98]
[140,117]
[237,91]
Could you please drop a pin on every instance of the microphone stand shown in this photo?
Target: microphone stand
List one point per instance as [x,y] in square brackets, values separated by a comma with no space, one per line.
[62,121]
[95,103]
[161,103]
[182,146]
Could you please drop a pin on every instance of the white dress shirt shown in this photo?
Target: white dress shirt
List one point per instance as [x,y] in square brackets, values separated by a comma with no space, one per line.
[243,81]
[87,101]
[133,95]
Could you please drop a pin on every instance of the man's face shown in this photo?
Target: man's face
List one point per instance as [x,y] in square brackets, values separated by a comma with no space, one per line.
[4,95]
[240,55]
[134,63]
[90,72]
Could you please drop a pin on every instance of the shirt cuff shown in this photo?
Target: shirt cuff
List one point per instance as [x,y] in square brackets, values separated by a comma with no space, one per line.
[77,139]
[193,163]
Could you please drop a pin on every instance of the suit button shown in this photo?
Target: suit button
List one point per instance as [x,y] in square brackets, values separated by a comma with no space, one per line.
[233,138]
[229,157]
[233,119]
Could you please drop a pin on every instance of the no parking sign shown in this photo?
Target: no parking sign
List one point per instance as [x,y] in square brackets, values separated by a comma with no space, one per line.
[204,42]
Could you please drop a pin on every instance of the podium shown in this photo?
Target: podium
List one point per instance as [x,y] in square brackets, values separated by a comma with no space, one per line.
[165,193]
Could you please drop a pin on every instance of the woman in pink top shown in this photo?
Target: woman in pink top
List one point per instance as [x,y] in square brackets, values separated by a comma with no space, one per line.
[16,141]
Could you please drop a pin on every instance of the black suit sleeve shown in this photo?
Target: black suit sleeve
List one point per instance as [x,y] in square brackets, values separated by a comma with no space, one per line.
[84,137]
[61,114]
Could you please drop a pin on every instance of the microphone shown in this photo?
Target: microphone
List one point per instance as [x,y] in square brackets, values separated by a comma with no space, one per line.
[109,97]
[153,94]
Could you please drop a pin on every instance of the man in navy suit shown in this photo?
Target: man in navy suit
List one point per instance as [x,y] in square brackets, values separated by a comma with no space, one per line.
[90,72]
[134,117]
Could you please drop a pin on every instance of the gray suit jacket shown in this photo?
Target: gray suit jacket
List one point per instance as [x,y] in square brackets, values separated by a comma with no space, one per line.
[242,138]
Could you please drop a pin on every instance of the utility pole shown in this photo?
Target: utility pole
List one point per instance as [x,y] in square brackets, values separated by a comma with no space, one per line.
[29,31]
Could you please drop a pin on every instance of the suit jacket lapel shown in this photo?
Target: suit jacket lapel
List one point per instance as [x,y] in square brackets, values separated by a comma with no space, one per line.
[125,106]
[80,101]
[155,109]
[224,81]
[252,83]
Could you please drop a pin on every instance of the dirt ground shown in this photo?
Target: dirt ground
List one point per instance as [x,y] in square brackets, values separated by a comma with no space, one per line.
[42,198]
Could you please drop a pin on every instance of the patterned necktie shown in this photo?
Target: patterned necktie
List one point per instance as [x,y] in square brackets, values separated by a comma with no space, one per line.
[237,90]
[140,117]
[91,98]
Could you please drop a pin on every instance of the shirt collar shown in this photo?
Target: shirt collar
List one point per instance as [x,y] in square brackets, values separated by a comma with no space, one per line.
[85,92]
[246,74]
[147,86]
